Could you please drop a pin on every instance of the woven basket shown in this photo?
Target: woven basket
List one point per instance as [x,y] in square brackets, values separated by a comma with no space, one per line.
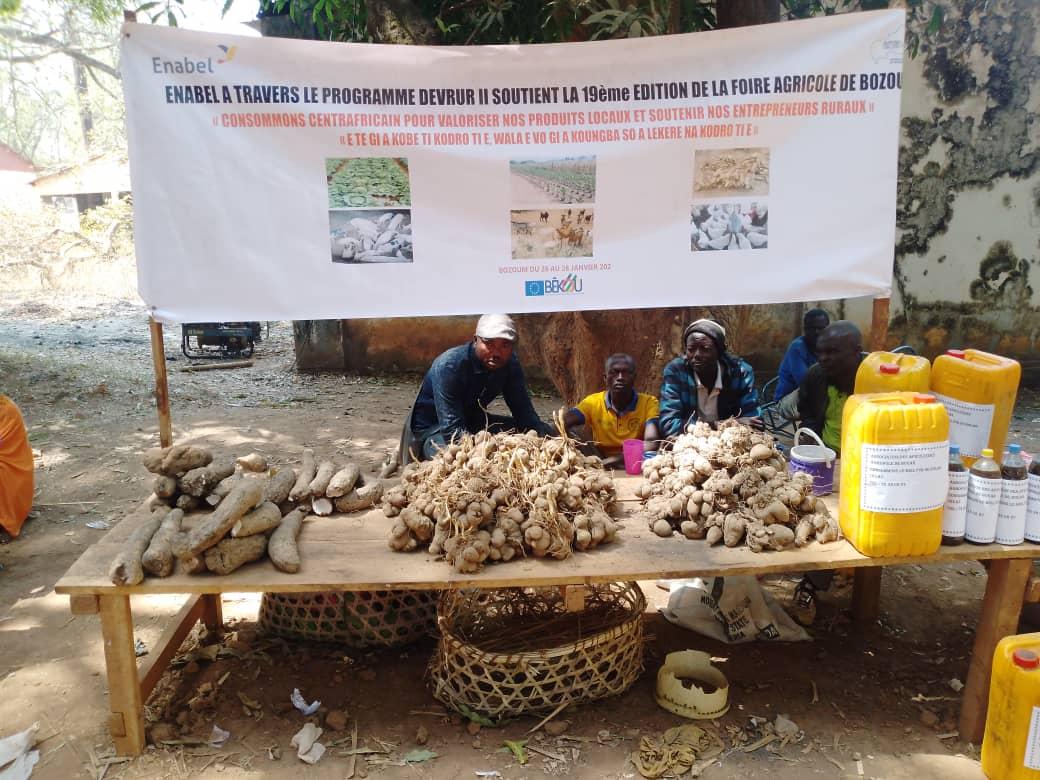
[555,670]
[368,618]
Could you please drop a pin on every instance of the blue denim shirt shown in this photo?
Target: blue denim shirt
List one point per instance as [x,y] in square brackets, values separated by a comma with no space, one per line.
[678,398]
[797,361]
[458,388]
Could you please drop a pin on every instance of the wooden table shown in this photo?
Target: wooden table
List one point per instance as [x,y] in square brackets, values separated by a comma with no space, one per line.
[351,553]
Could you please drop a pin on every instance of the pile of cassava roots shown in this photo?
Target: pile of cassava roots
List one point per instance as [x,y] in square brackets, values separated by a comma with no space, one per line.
[732,486]
[496,497]
[240,511]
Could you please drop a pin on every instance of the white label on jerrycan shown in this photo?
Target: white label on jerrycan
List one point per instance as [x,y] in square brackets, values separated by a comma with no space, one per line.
[956,504]
[1011,517]
[1031,760]
[969,424]
[1033,509]
[903,478]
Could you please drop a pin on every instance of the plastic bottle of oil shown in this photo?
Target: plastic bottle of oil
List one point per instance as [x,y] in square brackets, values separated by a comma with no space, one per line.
[956,499]
[978,390]
[893,473]
[887,372]
[1011,746]
[1014,486]
[984,484]
[1033,502]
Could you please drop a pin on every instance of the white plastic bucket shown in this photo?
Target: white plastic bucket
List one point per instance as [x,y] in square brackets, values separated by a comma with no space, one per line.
[816,460]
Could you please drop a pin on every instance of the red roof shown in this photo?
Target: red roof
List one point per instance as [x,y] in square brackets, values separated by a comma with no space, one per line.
[10,160]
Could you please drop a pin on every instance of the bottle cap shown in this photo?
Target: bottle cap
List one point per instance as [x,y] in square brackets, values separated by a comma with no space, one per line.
[955,449]
[987,453]
[889,368]
[1026,659]
[957,353]
[1014,448]
[924,398]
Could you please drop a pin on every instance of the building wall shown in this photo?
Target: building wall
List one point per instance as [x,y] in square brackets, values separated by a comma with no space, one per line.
[969,189]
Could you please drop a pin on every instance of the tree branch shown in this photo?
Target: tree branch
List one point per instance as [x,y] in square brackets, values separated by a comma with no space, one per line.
[60,47]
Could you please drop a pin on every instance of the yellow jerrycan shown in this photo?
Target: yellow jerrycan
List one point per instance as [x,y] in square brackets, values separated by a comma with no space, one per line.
[894,457]
[1011,747]
[978,390]
[888,372]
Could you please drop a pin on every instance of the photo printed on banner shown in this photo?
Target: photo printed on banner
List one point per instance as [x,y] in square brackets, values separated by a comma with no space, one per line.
[536,182]
[359,182]
[722,173]
[364,224]
[540,233]
[726,225]
[371,235]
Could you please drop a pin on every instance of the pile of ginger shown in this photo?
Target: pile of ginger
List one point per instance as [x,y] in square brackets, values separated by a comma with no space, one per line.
[496,497]
[731,485]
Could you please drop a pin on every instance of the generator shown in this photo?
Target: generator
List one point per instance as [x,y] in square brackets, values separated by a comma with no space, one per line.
[219,339]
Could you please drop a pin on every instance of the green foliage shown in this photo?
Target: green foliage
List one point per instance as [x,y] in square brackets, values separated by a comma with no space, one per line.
[464,22]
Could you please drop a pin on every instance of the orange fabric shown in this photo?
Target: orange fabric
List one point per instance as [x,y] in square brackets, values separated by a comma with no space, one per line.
[16,468]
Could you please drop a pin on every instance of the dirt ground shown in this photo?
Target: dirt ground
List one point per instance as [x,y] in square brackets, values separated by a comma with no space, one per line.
[868,702]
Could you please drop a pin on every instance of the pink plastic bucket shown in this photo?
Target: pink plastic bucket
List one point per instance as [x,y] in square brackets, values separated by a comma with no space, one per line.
[633,451]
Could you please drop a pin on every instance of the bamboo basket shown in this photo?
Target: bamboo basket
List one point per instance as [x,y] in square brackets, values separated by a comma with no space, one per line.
[516,651]
[368,618]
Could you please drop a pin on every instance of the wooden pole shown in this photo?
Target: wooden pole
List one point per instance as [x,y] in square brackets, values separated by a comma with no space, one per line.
[879,324]
[1001,607]
[162,388]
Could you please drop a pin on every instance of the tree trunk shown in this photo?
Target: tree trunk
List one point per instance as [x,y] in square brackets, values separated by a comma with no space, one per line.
[574,345]
[743,13]
[79,72]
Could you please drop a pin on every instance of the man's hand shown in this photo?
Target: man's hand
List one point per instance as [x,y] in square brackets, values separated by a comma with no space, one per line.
[755,423]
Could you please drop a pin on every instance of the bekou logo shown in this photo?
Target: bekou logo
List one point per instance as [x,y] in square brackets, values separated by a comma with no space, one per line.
[569,285]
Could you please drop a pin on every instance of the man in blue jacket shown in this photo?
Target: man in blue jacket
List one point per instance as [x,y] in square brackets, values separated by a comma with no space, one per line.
[706,383]
[799,358]
[462,383]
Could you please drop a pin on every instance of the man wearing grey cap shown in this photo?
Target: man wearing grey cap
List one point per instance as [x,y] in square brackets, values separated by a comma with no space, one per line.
[462,383]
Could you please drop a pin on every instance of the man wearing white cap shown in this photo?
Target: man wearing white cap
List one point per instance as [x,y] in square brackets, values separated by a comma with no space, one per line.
[462,383]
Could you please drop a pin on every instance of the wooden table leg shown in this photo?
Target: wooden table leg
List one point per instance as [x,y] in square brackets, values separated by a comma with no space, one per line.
[213,611]
[1001,607]
[866,594]
[126,716]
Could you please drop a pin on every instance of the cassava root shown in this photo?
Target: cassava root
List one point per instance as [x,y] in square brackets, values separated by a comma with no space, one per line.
[157,560]
[126,568]
[283,549]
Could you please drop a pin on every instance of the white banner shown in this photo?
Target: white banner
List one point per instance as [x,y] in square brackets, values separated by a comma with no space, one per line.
[287,179]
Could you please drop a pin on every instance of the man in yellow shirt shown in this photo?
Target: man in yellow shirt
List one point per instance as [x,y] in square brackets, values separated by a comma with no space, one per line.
[617,413]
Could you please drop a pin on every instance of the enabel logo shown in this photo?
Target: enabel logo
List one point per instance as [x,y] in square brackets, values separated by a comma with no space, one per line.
[569,285]
[189,66]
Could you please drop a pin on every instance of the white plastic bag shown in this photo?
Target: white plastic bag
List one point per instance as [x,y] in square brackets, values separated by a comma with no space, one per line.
[730,609]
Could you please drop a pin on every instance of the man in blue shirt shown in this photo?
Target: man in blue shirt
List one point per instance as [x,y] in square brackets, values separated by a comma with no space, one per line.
[462,383]
[801,354]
